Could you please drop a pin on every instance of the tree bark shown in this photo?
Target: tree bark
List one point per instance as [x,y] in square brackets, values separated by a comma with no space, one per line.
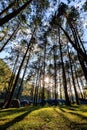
[15,31]
[23,77]
[18,74]
[79,50]
[55,75]
[76,94]
[12,78]
[78,82]
[43,95]
[8,7]
[63,74]
[13,14]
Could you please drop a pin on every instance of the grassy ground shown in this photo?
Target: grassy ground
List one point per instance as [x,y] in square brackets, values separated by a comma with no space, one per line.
[47,118]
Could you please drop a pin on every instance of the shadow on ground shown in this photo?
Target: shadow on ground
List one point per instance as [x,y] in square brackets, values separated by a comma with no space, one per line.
[72,124]
[18,118]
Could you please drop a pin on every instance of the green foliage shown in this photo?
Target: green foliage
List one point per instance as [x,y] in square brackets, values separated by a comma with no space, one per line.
[26,89]
[5,74]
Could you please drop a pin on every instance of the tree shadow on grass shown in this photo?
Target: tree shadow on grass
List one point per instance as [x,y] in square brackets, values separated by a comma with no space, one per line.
[74,108]
[79,115]
[11,111]
[65,121]
[82,108]
[74,113]
[18,118]
[73,124]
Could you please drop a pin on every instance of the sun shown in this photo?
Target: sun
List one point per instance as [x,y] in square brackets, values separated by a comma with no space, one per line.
[47,79]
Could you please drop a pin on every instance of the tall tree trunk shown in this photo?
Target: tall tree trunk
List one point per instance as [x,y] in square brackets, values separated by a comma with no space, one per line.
[36,91]
[55,75]
[17,76]
[8,7]
[17,96]
[15,31]
[32,94]
[79,44]
[14,13]
[78,82]
[79,50]
[63,73]
[84,68]
[75,90]
[43,94]
[12,78]
[70,87]
[76,35]
[60,86]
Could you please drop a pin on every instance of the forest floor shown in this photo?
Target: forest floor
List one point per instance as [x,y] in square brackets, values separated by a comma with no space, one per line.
[44,118]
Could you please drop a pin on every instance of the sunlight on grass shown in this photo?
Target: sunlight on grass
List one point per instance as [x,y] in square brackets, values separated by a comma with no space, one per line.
[47,118]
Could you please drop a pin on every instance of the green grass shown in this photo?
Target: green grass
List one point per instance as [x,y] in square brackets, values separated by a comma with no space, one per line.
[46,118]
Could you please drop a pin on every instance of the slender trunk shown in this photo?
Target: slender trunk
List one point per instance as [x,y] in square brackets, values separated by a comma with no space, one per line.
[32,94]
[55,75]
[36,91]
[75,90]
[79,50]
[17,76]
[60,86]
[39,81]
[14,13]
[23,77]
[78,82]
[13,73]
[63,74]
[7,8]
[11,81]
[61,91]
[70,87]
[48,93]
[15,31]
[81,81]
[84,68]
[43,94]
[76,38]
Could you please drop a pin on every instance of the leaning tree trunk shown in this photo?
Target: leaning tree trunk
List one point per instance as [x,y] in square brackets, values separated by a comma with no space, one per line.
[12,78]
[79,50]
[15,31]
[84,68]
[14,13]
[76,36]
[19,89]
[79,44]
[8,7]
[17,76]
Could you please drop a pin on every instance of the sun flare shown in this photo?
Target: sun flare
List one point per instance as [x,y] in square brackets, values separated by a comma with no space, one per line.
[47,79]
